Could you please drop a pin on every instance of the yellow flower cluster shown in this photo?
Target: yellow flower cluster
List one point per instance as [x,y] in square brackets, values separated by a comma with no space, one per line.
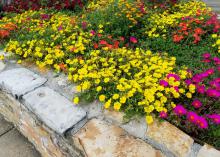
[160,22]
[63,37]
[217,42]
[99,4]
[123,78]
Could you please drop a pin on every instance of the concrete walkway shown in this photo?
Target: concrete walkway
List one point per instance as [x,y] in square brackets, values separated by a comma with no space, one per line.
[12,143]
[215,4]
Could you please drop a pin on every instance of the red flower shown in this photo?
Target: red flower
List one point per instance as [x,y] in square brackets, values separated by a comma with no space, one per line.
[96,46]
[103,42]
[177,38]
[133,40]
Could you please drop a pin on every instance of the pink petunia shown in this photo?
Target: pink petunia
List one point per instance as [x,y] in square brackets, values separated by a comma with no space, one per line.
[177,78]
[206,55]
[200,89]
[192,117]
[215,118]
[164,83]
[213,93]
[216,60]
[196,103]
[179,110]
[163,114]
[133,40]
[202,123]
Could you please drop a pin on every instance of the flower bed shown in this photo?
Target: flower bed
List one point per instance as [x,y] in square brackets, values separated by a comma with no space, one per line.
[161,62]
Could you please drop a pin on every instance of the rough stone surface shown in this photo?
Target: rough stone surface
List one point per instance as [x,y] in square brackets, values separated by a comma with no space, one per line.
[136,128]
[19,81]
[4,126]
[2,66]
[13,144]
[54,110]
[44,139]
[171,137]
[100,139]
[208,151]
[195,149]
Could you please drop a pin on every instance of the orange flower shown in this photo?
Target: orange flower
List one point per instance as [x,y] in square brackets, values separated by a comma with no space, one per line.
[4,33]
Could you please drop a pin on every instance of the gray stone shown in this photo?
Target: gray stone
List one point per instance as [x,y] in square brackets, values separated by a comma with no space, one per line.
[13,144]
[2,66]
[208,151]
[54,110]
[194,150]
[4,126]
[20,81]
[136,128]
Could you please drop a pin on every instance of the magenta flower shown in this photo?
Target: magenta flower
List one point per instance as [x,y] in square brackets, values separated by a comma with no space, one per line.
[206,55]
[192,117]
[163,114]
[60,28]
[84,25]
[179,110]
[188,82]
[177,78]
[133,40]
[215,118]
[202,123]
[92,32]
[164,83]
[213,93]
[200,89]
[210,71]
[216,60]
[196,103]
[176,88]
[218,68]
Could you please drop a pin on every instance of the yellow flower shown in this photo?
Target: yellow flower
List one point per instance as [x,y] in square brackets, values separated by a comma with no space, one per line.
[102,98]
[115,96]
[117,106]
[188,95]
[107,104]
[149,119]
[76,100]
[99,88]
[123,100]
[2,57]
[106,80]
[19,61]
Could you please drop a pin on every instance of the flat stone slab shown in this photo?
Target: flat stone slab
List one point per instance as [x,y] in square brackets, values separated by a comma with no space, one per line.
[20,81]
[4,126]
[208,151]
[100,139]
[13,144]
[54,110]
[171,137]
[2,66]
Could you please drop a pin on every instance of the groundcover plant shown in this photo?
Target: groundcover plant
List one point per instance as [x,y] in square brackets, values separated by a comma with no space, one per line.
[145,58]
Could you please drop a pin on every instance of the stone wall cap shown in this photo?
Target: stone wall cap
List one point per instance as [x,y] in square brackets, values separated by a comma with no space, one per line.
[56,111]
[20,81]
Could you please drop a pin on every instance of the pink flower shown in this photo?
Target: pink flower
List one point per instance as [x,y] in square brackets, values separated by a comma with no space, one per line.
[202,123]
[206,55]
[215,118]
[216,60]
[213,93]
[163,114]
[92,32]
[84,25]
[206,60]
[133,40]
[210,71]
[200,89]
[179,110]
[192,117]
[196,103]
[176,88]
[164,83]
[177,78]
[188,82]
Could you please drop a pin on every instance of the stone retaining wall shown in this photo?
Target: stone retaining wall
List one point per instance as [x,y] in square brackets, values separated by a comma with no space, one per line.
[38,104]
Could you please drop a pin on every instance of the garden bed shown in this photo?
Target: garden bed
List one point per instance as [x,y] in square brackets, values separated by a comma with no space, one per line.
[143,58]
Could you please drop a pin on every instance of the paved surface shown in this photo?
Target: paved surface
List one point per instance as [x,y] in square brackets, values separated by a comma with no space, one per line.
[215,4]
[13,144]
